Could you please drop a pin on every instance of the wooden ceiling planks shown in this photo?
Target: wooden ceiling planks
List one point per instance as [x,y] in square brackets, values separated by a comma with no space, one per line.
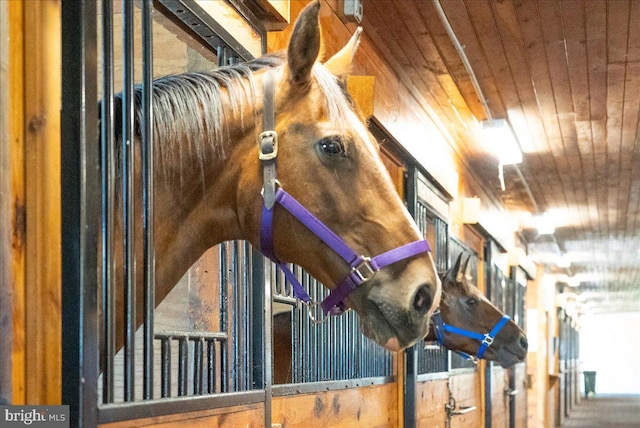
[567,72]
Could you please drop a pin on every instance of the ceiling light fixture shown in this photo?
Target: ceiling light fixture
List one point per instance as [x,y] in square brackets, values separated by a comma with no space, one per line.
[498,136]
[545,224]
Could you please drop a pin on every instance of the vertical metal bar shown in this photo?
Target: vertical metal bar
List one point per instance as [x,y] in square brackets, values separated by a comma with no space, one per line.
[198,365]
[221,54]
[411,354]
[224,319]
[211,366]
[262,319]
[147,194]
[165,355]
[128,153]
[183,359]
[80,203]
[490,280]
[107,167]
[238,318]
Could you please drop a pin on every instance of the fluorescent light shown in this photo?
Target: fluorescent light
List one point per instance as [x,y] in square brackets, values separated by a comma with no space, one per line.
[498,136]
[545,224]
[564,262]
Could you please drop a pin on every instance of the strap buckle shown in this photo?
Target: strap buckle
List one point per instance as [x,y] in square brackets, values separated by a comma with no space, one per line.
[268,141]
[363,270]
[488,340]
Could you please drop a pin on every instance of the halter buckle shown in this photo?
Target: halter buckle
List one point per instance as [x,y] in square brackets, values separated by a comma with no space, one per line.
[488,340]
[364,270]
[268,141]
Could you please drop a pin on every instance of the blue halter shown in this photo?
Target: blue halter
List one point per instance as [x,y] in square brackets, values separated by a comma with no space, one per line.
[485,339]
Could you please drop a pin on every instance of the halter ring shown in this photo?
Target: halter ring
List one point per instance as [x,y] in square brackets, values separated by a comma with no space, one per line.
[311,308]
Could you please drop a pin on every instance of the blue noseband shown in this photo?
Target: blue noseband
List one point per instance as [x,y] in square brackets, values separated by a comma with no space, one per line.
[485,339]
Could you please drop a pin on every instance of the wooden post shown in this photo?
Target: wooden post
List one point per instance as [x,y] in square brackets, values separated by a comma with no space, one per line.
[36,160]
[12,210]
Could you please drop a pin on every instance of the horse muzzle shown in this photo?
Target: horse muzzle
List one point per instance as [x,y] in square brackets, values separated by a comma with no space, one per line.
[391,322]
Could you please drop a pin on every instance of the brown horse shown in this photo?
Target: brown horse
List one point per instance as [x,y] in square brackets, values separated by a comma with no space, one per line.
[464,318]
[467,322]
[314,149]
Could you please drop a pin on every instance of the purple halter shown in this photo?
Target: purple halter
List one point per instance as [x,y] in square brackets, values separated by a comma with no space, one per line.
[362,268]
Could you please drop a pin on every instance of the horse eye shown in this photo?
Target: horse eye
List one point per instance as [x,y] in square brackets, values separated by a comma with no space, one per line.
[471,301]
[332,146]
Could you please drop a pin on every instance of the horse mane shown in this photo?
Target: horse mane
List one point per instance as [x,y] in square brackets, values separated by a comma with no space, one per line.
[191,109]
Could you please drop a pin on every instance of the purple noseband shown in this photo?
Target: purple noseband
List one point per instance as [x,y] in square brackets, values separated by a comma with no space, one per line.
[362,268]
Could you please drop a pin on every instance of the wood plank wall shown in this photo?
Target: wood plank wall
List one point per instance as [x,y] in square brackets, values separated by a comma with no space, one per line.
[431,398]
[12,218]
[367,407]
[521,416]
[42,95]
[499,402]
[32,176]
[465,388]
[248,416]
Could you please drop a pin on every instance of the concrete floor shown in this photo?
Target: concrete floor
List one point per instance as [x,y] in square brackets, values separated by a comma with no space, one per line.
[606,411]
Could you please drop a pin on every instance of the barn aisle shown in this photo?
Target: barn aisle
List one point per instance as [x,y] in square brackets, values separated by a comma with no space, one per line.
[606,411]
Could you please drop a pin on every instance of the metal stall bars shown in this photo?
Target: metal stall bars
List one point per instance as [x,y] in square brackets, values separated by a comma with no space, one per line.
[497,293]
[80,202]
[425,359]
[321,353]
[94,166]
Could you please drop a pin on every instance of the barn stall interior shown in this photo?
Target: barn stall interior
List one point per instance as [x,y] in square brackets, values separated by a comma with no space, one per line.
[230,343]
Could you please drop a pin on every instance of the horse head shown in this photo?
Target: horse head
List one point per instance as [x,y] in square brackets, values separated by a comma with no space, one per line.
[330,164]
[468,322]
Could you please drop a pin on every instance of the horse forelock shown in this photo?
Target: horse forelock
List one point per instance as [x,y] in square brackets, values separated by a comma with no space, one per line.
[339,105]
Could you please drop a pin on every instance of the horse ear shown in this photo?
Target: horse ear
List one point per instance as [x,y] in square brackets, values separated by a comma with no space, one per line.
[340,64]
[304,46]
[462,271]
[452,273]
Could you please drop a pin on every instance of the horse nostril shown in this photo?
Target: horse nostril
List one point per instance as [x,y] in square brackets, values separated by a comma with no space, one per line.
[422,300]
[524,343]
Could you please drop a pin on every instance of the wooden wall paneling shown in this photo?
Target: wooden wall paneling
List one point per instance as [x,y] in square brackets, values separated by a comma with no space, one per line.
[248,416]
[365,406]
[362,91]
[381,22]
[12,210]
[6,210]
[204,292]
[499,402]
[466,391]
[431,397]
[522,397]
[42,156]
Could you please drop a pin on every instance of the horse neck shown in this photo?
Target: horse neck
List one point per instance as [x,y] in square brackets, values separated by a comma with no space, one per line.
[196,194]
